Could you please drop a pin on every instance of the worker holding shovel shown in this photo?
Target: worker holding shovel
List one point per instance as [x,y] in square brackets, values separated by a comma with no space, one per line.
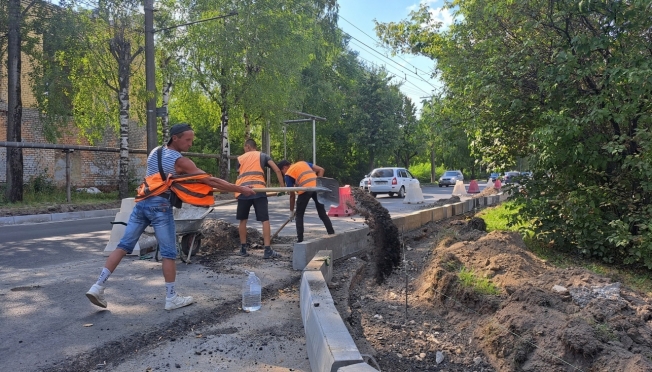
[304,174]
[251,166]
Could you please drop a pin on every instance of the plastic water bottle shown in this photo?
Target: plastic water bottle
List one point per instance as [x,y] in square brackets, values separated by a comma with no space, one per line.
[251,291]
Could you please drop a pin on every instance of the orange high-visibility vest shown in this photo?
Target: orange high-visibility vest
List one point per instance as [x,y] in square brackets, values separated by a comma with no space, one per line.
[184,186]
[303,175]
[251,173]
[189,190]
[152,186]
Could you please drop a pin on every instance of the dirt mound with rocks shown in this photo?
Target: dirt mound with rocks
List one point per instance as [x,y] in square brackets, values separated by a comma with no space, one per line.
[221,236]
[538,317]
[488,190]
[386,252]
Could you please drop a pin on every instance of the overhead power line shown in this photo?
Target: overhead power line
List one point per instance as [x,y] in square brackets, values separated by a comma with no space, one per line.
[198,21]
[395,75]
[387,58]
[372,38]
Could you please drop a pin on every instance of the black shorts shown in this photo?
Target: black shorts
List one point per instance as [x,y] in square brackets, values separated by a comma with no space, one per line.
[260,206]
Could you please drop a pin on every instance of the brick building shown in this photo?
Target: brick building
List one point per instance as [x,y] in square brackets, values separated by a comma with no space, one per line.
[99,169]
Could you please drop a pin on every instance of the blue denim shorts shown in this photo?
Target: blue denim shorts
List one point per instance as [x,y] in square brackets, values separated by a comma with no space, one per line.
[155,211]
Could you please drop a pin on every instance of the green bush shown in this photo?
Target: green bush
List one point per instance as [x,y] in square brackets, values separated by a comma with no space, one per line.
[40,184]
[422,172]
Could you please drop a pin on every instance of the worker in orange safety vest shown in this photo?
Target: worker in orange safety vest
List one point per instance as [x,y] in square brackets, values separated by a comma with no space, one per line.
[156,209]
[304,174]
[251,173]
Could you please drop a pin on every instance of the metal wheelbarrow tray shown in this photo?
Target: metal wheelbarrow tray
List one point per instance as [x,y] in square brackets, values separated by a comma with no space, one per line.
[188,221]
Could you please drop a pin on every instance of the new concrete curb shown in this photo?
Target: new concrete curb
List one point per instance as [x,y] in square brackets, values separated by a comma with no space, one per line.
[330,346]
[56,217]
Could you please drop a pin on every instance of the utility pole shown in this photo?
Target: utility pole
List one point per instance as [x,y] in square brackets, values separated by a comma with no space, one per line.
[150,76]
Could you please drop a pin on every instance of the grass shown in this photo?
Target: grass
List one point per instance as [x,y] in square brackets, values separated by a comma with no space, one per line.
[605,332]
[497,218]
[469,279]
[54,195]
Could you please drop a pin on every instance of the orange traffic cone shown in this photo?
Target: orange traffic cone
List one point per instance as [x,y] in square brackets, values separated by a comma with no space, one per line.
[473,187]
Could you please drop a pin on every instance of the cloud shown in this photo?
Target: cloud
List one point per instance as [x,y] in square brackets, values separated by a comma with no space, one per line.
[442,15]
[438,14]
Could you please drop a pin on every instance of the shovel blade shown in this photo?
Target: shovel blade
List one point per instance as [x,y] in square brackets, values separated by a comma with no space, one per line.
[330,198]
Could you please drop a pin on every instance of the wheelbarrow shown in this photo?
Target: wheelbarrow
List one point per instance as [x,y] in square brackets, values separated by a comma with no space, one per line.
[187,222]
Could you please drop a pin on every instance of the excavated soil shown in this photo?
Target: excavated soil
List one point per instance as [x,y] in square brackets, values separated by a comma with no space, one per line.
[422,317]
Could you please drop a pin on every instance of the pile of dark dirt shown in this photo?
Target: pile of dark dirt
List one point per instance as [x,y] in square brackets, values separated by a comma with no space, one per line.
[387,249]
[223,237]
[424,317]
[220,247]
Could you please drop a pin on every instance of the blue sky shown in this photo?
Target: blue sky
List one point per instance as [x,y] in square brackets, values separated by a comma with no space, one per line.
[357,19]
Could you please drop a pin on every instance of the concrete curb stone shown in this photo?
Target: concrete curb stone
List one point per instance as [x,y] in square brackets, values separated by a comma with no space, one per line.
[56,217]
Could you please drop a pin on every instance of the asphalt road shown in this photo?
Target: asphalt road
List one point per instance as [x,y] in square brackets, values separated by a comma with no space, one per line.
[37,245]
[52,243]
[47,268]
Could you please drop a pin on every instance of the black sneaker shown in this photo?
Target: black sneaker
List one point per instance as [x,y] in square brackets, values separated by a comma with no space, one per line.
[243,251]
[271,254]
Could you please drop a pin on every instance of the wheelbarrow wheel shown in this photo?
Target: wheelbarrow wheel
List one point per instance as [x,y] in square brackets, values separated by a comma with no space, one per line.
[186,241]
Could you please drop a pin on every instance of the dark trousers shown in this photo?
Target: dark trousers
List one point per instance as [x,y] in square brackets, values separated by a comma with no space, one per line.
[302,204]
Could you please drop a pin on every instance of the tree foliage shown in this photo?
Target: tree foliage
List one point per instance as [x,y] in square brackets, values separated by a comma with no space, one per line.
[232,78]
[568,84]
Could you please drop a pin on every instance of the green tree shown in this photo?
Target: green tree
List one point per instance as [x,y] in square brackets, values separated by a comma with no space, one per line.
[410,135]
[567,84]
[107,75]
[375,122]
[249,63]
[17,21]
[60,30]
[330,85]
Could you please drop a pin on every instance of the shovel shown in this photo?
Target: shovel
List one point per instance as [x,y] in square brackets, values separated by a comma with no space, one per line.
[328,191]
[281,228]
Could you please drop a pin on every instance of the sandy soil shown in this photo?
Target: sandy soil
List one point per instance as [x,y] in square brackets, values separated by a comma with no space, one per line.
[421,317]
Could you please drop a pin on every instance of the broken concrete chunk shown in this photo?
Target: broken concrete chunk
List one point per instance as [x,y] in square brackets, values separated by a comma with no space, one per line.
[559,289]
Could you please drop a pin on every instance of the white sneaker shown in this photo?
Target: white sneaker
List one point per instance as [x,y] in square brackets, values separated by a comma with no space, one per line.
[177,302]
[96,295]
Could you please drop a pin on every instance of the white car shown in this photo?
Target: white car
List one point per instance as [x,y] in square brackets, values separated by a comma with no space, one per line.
[364,184]
[391,181]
